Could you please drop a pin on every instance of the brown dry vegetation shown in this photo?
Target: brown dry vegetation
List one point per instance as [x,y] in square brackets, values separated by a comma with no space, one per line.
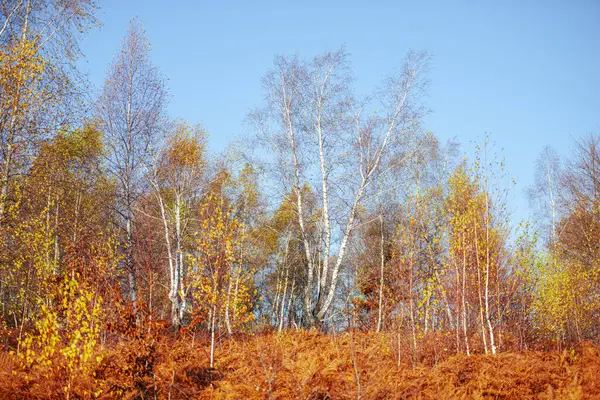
[310,365]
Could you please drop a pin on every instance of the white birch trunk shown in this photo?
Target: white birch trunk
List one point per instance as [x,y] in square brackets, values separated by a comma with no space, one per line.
[487,275]
[172,279]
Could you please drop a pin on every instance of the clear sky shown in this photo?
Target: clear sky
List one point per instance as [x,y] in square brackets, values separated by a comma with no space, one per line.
[525,72]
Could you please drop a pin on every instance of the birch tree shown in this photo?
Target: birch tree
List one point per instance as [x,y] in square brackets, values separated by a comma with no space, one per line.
[177,179]
[544,194]
[130,110]
[317,136]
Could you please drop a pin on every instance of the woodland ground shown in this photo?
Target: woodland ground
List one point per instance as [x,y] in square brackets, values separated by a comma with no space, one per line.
[309,365]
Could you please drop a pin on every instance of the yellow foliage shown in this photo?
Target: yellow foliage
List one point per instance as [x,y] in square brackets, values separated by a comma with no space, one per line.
[66,333]
[218,280]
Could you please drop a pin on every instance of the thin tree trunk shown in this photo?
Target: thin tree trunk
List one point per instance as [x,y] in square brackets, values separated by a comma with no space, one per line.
[483,331]
[464,303]
[236,291]
[227,305]
[76,222]
[172,281]
[285,285]
[277,295]
[180,294]
[47,239]
[212,336]
[290,311]
[446,301]
[412,311]
[56,243]
[282,311]
[239,273]
[234,273]
[426,327]
[325,208]
[487,276]
[5,181]
[131,266]
[458,306]
[399,344]
[381,267]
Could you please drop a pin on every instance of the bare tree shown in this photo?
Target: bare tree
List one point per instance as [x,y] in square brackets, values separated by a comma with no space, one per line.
[544,194]
[130,109]
[52,24]
[318,138]
[579,202]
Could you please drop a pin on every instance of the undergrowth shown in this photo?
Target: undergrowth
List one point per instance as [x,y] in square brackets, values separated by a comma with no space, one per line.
[308,365]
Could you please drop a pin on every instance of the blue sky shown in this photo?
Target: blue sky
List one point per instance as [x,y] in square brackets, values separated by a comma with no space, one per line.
[525,72]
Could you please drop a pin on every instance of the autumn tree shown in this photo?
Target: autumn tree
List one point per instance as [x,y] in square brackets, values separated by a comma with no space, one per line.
[248,206]
[566,290]
[580,224]
[38,82]
[177,178]
[39,100]
[59,219]
[478,254]
[212,267]
[130,110]
[527,262]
